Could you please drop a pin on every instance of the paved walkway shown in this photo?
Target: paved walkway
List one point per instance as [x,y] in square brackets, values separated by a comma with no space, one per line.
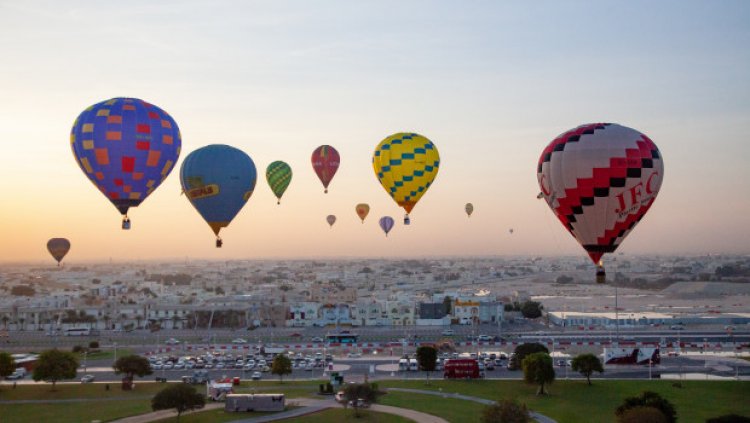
[164,414]
[536,416]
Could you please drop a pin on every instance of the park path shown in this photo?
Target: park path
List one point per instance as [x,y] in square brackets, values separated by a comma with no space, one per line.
[163,414]
[536,416]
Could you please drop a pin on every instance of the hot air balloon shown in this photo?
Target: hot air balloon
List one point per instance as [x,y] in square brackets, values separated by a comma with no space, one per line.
[58,247]
[406,165]
[469,209]
[325,162]
[218,180]
[126,147]
[362,210]
[331,219]
[386,224]
[600,180]
[278,175]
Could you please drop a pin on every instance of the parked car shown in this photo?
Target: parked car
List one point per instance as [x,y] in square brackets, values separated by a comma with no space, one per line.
[317,339]
[359,403]
[239,341]
[87,379]
[256,376]
[448,332]
[172,341]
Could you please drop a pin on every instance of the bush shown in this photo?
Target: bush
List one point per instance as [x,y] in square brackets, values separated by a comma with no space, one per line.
[78,349]
[94,345]
[506,411]
[649,399]
[642,415]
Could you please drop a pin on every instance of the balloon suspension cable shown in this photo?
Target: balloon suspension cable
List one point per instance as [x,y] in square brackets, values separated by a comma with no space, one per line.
[219,242]
[125,222]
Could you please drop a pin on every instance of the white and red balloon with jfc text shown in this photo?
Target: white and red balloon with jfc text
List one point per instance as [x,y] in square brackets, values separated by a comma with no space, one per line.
[600,179]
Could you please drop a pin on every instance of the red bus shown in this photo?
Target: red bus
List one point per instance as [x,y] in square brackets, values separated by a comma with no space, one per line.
[461,369]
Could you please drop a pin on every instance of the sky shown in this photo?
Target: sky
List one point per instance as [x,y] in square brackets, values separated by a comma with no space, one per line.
[490,83]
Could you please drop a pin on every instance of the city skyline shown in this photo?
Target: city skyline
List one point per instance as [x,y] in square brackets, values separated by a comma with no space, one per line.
[491,86]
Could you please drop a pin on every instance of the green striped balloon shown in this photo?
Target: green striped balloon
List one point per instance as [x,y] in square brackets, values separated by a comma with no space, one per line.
[278,175]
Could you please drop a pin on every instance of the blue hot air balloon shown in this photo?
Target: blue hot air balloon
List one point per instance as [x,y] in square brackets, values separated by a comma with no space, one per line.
[218,180]
[126,147]
[386,224]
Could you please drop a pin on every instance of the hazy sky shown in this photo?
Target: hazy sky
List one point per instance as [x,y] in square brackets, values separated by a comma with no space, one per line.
[490,83]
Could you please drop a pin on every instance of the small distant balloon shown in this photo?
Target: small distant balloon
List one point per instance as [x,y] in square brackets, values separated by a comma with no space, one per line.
[58,247]
[325,161]
[469,209]
[362,210]
[331,219]
[278,175]
[386,224]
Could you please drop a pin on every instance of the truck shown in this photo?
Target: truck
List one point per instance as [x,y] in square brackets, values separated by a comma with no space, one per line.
[467,368]
[254,402]
[640,355]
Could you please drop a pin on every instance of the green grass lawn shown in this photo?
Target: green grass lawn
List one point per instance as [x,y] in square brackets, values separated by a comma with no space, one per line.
[72,412]
[575,402]
[453,410]
[105,354]
[43,391]
[211,416]
[569,401]
[341,415]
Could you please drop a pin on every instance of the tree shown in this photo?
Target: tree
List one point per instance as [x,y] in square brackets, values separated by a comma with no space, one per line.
[7,365]
[132,365]
[642,415]
[586,364]
[93,345]
[427,359]
[522,351]
[54,365]
[506,411]
[537,368]
[649,399]
[531,309]
[182,397]
[447,304]
[281,366]
[365,391]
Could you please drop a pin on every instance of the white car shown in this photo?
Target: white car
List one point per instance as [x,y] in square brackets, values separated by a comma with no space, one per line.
[317,339]
[239,341]
[256,376]
[87,379]
[448,332]
[354,355]
[484,338]
[172,341]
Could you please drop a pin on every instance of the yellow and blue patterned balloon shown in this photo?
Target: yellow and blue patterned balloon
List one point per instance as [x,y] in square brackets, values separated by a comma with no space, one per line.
[406,165]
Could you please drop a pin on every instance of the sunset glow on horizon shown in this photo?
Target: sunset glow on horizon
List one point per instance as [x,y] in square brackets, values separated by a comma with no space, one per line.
[490,85]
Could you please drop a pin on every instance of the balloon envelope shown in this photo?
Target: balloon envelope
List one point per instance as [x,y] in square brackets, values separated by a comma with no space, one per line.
[58,247]
[218,180]
[386,224]
[600,180]
[331,219]
[469,209]
[325,161]
[406,165]
[362,210]
[278,175]
[126,147]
